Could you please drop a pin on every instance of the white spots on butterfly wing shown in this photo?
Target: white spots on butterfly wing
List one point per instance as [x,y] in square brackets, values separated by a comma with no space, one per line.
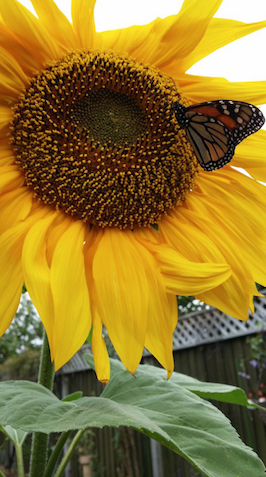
[239,120]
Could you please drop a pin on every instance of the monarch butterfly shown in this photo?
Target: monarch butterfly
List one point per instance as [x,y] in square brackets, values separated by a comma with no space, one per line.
[215,128]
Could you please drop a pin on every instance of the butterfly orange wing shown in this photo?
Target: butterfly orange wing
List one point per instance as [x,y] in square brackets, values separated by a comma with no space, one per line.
[216,127]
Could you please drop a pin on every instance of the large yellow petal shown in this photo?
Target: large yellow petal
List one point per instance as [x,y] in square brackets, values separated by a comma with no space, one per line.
[163,313]
[231,232]
[219,33]
[14,207]
[182,276]
[204,238]
[136,41]
[217,295]
[10,178]
[6,154]
[83,22]
[12,78]
[251,155]
[122,293]
[29,31]
[246,202]
[92,239]
[56,23]
[163,40]
[10,42]
[184,34]
[11,276]
[229,298]
[55,232]
[217,212]
[5,116]
[72,317]
[100,353]
[37,273]
[205,88]
[224,241]
[185,238]
[236,226]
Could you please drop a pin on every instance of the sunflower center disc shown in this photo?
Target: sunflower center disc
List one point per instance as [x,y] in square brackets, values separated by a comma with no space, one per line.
[95,136]
[111,116]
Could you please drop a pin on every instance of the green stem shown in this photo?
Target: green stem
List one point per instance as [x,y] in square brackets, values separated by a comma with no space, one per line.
[2,474]
[39,447]
[56,453]
[69,453]
[20,463]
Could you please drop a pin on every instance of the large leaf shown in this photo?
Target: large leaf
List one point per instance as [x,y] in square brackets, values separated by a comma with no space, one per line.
[161,409]
[206,390]
[15,435]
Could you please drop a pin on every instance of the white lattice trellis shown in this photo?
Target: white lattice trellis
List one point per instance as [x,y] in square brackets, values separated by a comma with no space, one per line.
[212,325]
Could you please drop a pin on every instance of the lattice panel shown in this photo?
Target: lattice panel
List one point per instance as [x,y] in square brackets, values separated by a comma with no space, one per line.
[213,325]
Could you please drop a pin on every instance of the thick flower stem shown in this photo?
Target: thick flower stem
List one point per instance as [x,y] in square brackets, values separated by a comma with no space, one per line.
[40,441]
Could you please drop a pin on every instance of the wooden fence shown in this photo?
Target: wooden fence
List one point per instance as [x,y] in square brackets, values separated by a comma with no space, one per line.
[126,453]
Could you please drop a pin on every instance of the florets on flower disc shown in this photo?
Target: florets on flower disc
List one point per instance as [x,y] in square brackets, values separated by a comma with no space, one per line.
[95,136]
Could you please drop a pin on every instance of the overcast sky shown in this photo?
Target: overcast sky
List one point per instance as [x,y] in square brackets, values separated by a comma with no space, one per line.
[243,60]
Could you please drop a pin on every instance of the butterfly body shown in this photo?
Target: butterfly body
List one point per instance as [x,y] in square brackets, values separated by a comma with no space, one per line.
[215,128]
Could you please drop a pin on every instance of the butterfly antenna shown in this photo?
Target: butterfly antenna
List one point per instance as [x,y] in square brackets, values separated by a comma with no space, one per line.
[173,82]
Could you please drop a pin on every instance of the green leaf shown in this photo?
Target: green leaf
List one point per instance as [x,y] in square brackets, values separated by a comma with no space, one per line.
[160,409]
[214,391]
[73,396]
[15,435]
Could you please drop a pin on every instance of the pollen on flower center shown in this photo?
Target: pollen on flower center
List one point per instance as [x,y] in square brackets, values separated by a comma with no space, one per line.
[95,136]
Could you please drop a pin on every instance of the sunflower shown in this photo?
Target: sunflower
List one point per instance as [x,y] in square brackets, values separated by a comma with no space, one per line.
[105,213]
